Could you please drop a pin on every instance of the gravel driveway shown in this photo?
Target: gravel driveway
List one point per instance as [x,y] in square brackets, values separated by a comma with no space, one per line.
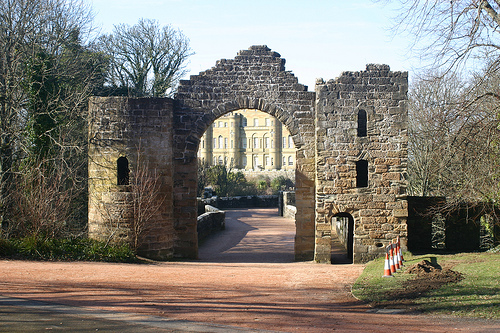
[245,277]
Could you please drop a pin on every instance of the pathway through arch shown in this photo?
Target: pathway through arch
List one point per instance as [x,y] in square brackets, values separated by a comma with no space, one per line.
[252,235]
[257,235]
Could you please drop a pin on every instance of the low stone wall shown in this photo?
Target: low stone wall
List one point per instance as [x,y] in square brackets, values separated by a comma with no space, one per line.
[247,201]
[211,221]
[286,204]
[458,230]
[289,211]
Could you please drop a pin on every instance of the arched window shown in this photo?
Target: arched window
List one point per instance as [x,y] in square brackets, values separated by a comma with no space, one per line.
[255,142]
[361,123]
[290,160]
[362,173]
[122,171]
[220,142]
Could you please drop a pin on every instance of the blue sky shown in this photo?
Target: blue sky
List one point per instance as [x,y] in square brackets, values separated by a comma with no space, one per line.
[318,38]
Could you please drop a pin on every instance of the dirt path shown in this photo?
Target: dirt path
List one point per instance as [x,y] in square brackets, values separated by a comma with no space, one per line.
[246,280]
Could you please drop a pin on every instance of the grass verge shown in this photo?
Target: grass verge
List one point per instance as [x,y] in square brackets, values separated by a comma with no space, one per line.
[476,295]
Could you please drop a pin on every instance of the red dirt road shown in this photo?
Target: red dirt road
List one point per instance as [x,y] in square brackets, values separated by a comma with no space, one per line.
[244,278]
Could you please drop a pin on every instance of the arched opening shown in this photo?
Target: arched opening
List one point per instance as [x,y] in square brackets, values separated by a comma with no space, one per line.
[123,171]
[255,170]
[342,238]
[362,120]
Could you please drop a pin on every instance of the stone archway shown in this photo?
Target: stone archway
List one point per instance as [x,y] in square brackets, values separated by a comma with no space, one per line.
[255,79]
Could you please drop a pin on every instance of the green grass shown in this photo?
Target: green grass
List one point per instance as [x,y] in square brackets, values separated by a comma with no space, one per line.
[477,295]
[84,249]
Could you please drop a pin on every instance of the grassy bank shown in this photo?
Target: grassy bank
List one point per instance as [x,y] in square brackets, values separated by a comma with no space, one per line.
[475,294]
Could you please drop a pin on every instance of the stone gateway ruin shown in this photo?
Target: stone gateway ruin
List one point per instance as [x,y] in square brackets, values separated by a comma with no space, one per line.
[350,136]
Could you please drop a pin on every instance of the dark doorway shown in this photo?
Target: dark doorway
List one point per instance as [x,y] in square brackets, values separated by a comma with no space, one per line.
[342,238]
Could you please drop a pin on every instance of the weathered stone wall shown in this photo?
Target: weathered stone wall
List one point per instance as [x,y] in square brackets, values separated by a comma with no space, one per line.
[141,131]
[377,208]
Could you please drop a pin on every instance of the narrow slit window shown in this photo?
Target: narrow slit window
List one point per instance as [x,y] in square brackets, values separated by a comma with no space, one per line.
[361,123]
[362,173]
[123,171]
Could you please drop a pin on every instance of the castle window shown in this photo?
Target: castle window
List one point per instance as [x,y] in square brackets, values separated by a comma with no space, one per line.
[361,123]
[362,173]
[123,171]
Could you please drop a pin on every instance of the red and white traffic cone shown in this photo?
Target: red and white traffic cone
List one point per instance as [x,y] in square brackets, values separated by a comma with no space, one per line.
[400,255]
[391,258]
[387,268]
[400,252]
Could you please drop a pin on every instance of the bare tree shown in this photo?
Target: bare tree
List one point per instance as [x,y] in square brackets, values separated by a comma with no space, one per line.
[145,59]
[145,187]
[43,203]
[434,117]
[45,78]
[451,33]
[454,145]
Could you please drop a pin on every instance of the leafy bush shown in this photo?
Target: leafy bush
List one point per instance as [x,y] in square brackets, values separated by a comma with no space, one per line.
[281,183]
[36,248]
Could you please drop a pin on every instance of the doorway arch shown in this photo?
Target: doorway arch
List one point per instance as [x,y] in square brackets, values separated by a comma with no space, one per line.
[343,227]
